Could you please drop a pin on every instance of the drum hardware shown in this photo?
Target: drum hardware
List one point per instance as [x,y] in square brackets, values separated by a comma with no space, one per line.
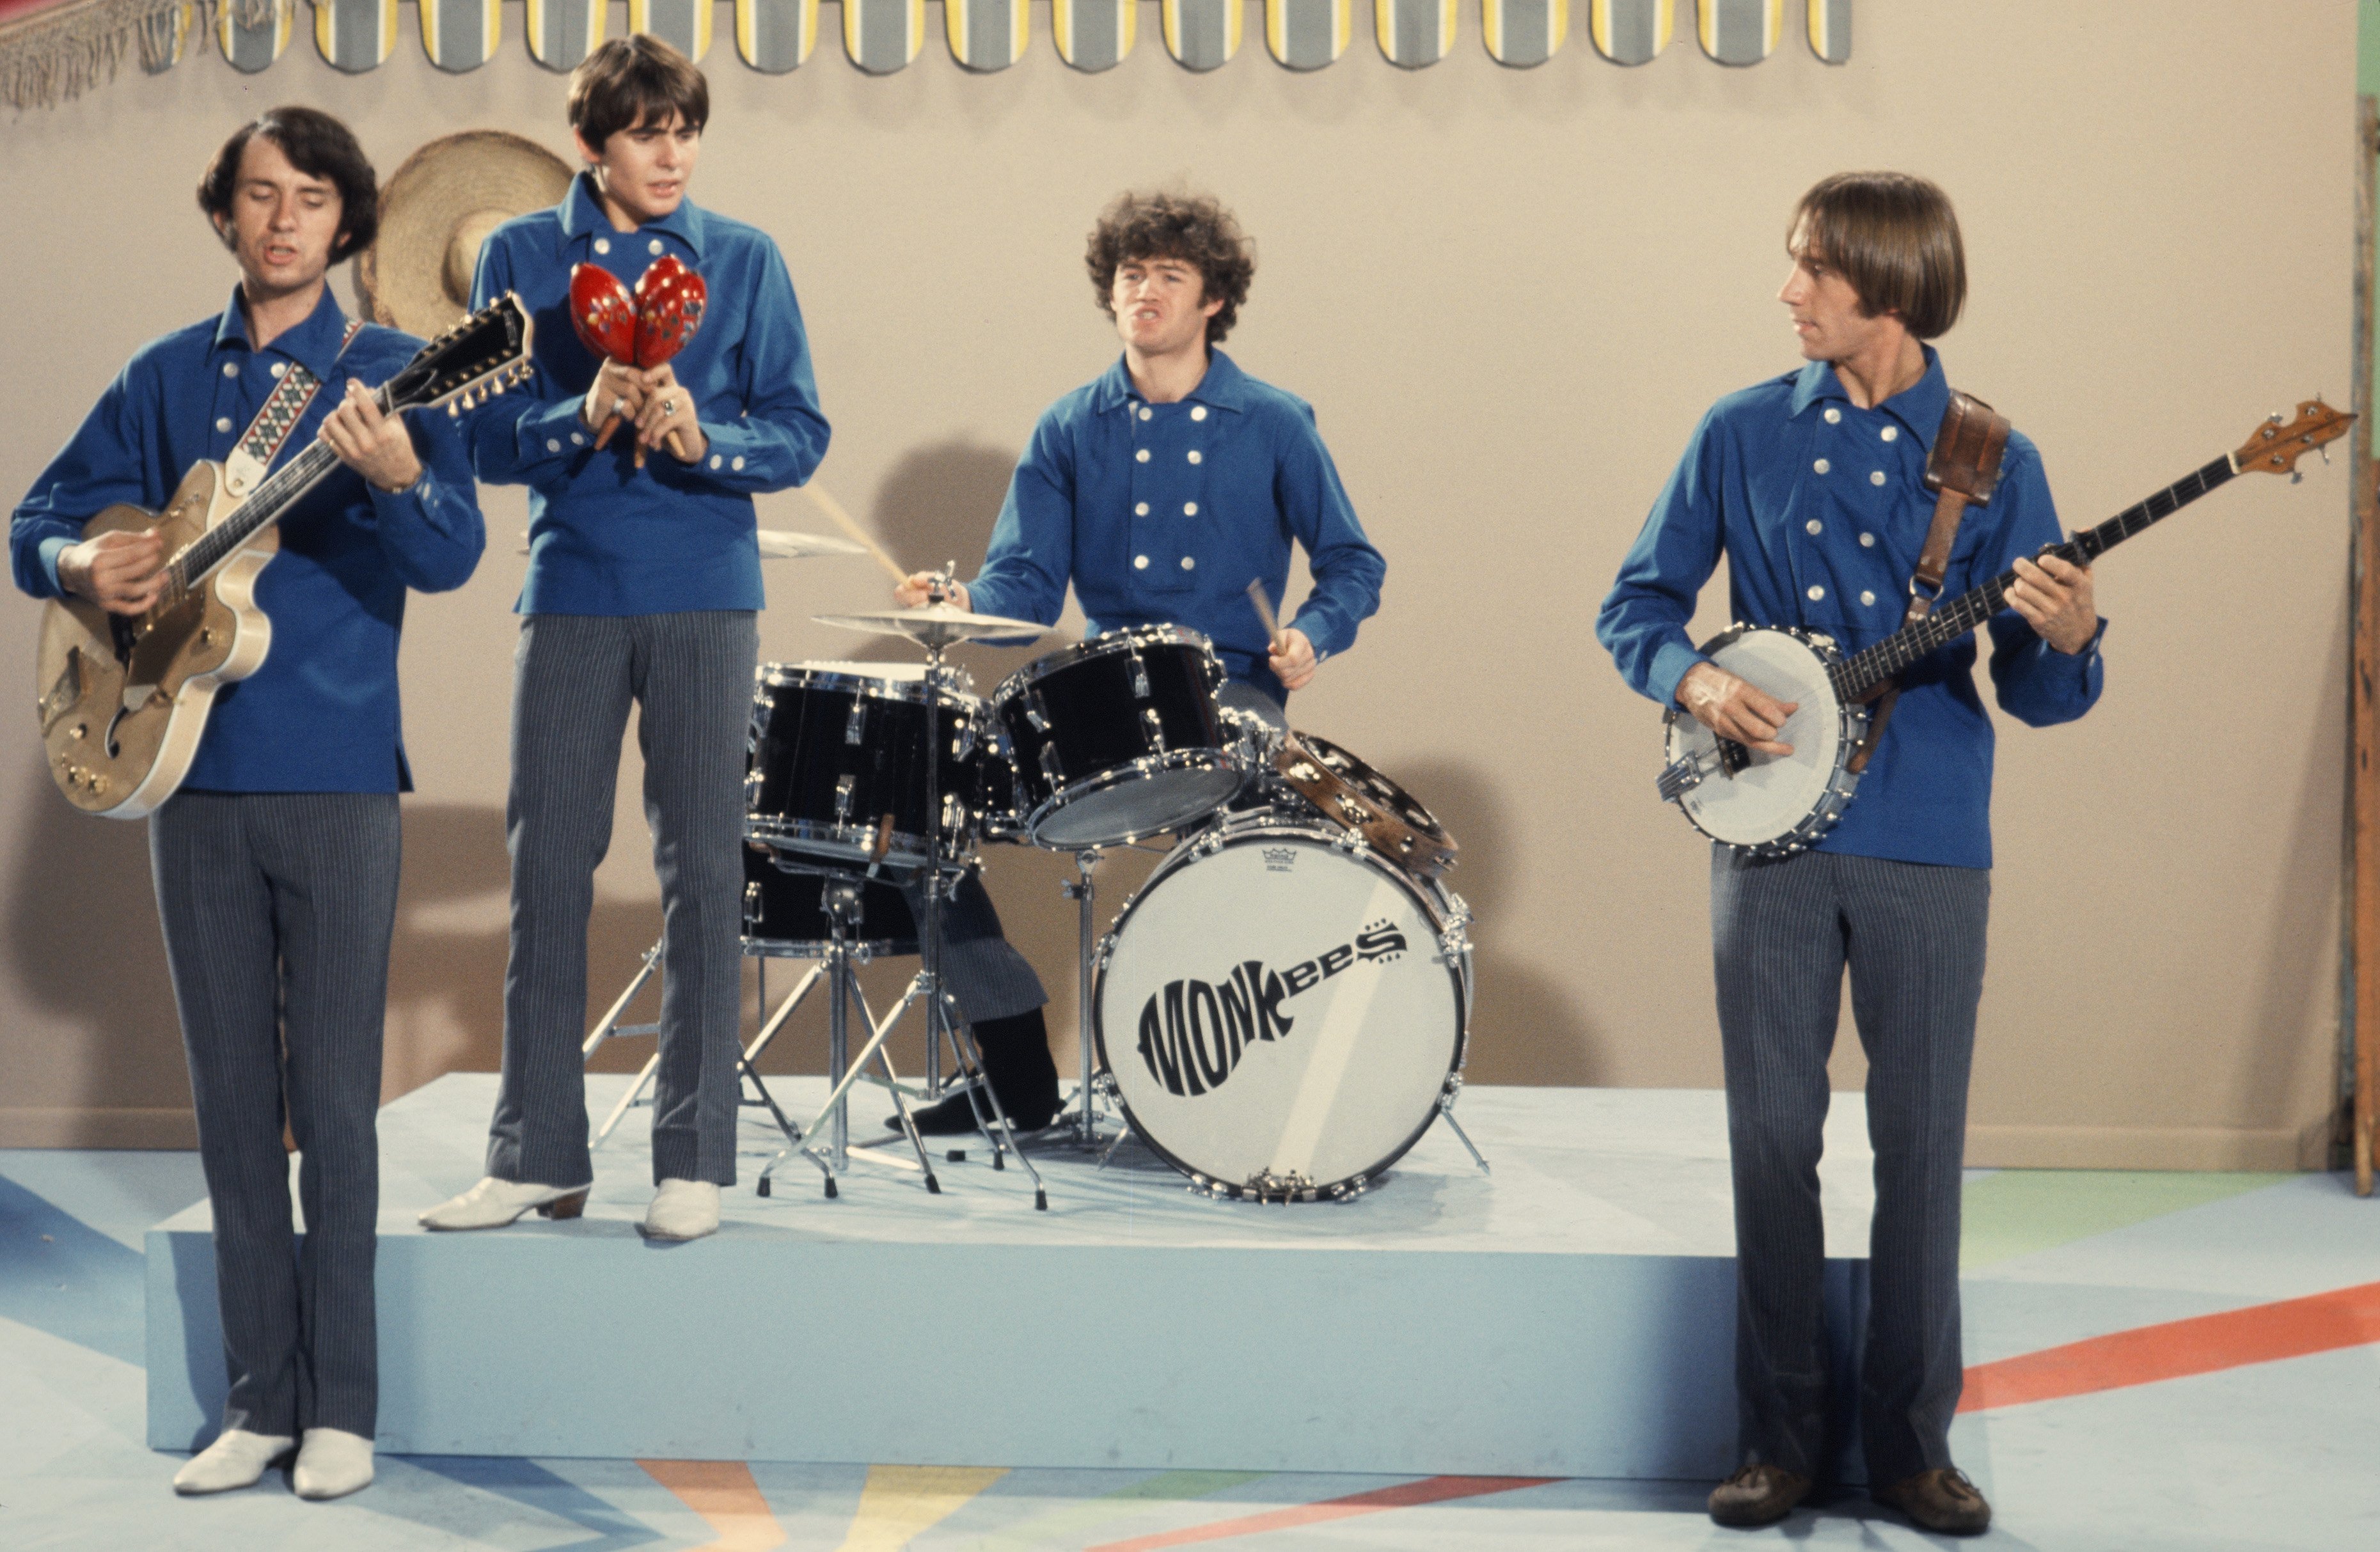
[609,1028]
[1081,1117]
[1446,1097]
[933,627]
[814,789]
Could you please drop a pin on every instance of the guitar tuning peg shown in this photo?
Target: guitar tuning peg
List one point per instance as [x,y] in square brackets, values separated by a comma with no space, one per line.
[2296,477]
[2275,417]
[453,412]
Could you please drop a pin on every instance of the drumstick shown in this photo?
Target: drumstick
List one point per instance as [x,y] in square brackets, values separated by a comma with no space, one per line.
[1264,612]
[833,508]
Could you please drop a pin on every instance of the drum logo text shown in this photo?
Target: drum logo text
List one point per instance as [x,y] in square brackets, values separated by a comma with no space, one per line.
[1194,1033]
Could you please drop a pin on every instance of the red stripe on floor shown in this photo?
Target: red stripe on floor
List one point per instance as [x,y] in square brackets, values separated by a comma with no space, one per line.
[2259,1334]
[1406,1495]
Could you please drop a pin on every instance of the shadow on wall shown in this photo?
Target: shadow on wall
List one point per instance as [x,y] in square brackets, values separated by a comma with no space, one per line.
[1526,1027]
[82,900]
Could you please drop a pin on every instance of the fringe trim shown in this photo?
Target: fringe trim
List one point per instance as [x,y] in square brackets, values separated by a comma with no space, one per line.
[55,55]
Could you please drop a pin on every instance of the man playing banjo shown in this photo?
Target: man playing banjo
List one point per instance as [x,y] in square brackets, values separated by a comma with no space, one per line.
[1160,490]
[1812,486]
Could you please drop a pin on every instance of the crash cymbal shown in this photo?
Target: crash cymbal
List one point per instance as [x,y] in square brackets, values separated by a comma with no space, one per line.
[936,624]
[784,545]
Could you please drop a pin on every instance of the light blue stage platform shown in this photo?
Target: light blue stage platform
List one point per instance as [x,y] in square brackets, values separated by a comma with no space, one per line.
[1570,1316]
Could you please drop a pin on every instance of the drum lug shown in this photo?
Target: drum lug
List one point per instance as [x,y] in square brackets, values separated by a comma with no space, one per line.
[1035,712]
[753,912]
[1106,952]
[1349,841]
[1211,842]
[1451,1092]
[1140,676]
[854,726]
[843,798]
[1151,723]
[1051,767]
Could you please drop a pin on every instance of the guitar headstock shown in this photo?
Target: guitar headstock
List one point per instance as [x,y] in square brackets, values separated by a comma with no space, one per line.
[2275,448]
[469,364]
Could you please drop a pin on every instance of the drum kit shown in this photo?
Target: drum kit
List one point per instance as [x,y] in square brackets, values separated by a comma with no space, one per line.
[1279,1013]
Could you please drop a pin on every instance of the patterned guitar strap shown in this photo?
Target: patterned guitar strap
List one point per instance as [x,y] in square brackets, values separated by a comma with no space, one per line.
[245,467]
[1963,468]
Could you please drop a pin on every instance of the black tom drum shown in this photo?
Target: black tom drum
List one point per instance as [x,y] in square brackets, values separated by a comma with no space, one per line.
[836,763]
[785,916]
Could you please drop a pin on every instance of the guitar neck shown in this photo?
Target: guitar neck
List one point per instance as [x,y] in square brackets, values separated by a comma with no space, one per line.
[1860,672]
[266,505]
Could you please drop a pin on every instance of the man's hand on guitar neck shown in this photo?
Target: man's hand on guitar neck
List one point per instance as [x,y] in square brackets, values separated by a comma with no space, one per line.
[2054,596]
[375,445]
[1732,709]
[121,572]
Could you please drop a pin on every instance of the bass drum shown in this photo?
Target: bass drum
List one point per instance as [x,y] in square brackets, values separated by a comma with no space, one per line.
[1281,1010]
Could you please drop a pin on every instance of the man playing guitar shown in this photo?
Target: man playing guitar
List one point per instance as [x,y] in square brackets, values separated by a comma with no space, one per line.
[644,586]
[1158,491]
[1811,485]
[275,863]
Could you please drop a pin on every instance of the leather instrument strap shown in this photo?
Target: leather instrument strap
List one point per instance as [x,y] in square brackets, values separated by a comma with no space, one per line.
[1963,468]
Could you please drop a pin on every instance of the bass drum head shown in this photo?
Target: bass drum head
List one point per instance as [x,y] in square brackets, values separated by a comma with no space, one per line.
[1278,1015]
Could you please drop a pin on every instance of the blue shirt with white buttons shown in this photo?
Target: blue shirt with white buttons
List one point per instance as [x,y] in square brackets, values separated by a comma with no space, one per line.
[606,537]
[1162,513]
[1820,508]
[320,715]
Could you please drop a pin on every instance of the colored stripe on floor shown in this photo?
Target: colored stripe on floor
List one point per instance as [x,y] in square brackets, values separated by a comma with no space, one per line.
[1406,1495]
[2011,1213]
[1069,1523]
[2259,1334]
[901,1503]
[724,1493]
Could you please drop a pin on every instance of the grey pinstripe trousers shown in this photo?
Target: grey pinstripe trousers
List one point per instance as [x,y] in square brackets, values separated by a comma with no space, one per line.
[1913,934]
[277,909]
[575,676]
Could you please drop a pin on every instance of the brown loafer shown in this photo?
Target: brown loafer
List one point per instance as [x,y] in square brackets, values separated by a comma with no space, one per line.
[1757,1496]
[1942,1499]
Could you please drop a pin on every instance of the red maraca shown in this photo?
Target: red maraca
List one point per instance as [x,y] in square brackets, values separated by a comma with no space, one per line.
[644,330]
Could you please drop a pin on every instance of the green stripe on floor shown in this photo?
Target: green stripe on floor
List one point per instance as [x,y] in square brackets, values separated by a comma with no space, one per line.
[2016,1212]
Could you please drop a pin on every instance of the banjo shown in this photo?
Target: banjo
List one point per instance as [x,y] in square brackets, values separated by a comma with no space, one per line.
[1776,805]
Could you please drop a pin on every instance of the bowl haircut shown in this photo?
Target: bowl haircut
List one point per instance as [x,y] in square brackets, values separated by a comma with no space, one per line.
[631,82]
[1895,238]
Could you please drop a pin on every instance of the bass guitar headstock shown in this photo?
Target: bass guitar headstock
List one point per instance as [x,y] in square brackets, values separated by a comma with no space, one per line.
[469,364]
[2275,448]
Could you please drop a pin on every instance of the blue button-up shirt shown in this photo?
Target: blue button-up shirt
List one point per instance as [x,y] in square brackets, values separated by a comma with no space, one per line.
[1821,509]
[1164,513]
[605,537]
[320,715]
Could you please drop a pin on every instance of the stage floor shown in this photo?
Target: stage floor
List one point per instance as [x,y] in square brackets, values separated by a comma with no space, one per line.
[1568,1313]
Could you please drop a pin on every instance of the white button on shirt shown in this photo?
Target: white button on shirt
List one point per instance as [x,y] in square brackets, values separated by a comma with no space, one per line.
[280,367]
[231,369]
[1193,456]
[1890,434]
[653,246]
[1814,526]
[1140,509]
[715,460]
[1140,563]
[1877,479]
[552,444]
[1867,541]
[1142,456]
[577,440]
[224,424]
[1833,416]
[1866,597]
[1146,413]
[602,245]
[735,463]
[1817,593]
[1189,509]
[1197,412]
[1188,563]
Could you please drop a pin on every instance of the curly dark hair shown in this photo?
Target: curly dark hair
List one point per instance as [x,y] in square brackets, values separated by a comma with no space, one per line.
[318,146]
[1194,228]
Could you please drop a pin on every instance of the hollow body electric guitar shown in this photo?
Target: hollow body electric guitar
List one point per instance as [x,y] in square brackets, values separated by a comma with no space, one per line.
[1773,805]
[122,700]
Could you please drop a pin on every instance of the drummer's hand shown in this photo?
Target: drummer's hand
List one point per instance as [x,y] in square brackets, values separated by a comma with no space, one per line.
[911,593]
[616,395]
[668,416]
[1732,709]
[1295,662]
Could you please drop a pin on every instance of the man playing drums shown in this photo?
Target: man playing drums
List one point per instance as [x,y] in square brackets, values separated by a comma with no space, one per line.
[1160,490]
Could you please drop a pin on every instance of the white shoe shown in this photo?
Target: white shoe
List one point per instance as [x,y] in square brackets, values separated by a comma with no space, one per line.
[493,1203]
[332,1463]
[682,1209]
[235,1459]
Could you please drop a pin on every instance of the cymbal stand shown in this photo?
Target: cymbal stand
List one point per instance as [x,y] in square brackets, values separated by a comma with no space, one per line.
[1083,1120]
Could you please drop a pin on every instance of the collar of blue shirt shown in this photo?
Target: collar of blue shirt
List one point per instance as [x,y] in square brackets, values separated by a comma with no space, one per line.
[1918,406]
[583,217]
[314,344]
[1224,386]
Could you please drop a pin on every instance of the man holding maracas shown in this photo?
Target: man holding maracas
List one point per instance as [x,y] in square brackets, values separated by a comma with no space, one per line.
[674,383]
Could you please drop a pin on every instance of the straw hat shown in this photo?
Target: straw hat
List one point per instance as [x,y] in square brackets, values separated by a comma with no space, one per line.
[437,211]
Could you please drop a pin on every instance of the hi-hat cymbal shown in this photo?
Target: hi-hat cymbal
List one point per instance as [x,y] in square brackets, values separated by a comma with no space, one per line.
[935,625]
[784,545]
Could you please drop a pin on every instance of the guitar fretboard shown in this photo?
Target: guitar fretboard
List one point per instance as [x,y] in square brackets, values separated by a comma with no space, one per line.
[1855,676]
[264,506]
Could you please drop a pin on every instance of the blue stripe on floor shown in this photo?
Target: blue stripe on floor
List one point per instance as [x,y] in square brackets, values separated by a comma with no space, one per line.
[61,1276]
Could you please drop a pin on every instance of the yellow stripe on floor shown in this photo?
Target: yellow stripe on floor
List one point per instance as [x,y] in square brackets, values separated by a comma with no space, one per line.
[901,1503]
[724,1493]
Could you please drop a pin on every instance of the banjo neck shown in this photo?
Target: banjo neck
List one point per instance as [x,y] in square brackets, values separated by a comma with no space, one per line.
[1855,676]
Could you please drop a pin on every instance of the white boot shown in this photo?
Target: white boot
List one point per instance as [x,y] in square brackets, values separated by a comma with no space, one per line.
[683,1209]
[332,1463]
[493,1203]
[235,1459]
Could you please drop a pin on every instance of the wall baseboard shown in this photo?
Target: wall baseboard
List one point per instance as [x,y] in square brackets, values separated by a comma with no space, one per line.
[2149,1147]
[91,1126]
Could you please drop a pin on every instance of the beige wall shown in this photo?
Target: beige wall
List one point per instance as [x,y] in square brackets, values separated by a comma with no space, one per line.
[1509,294]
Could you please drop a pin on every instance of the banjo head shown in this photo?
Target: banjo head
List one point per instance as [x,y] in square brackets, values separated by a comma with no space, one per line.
[1777,803]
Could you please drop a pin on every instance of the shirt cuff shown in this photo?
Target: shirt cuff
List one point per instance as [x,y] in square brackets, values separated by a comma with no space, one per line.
[1670,663]
[51,549]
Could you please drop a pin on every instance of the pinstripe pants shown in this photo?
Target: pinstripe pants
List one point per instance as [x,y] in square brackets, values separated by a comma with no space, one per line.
[277,909]
[575,676]
[1913,934]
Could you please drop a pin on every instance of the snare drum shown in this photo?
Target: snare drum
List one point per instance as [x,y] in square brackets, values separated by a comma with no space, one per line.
[1117,738]
[1282,1010]
[837,748]
[785,913]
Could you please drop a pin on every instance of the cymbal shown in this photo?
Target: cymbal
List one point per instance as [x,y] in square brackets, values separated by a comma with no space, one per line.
[784,545]
[935,625]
